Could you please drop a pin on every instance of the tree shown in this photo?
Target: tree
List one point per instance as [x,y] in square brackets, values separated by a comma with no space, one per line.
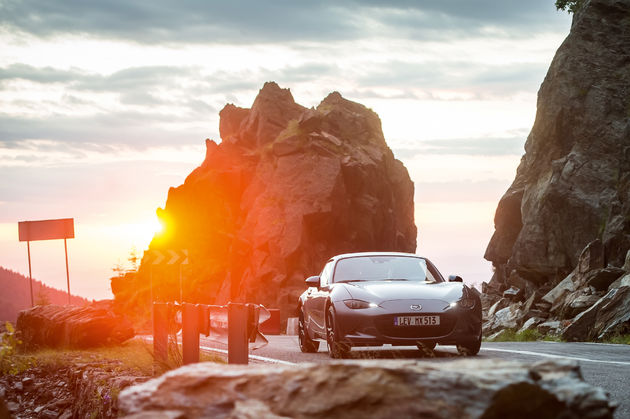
[42,298]
[571,6]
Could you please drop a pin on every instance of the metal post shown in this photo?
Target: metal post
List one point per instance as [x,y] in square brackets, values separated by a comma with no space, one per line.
[181,293]
[65,246]
[238,347]
[160,332]
[30,277]
[190,333]
[151,294]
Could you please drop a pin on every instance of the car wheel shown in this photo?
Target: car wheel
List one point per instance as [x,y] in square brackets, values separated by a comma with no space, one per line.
[307,345]
[470,348]
[336,349]
[426,346]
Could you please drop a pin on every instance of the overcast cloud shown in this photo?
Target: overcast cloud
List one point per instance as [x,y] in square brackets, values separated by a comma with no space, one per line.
[104,105]
[252,21]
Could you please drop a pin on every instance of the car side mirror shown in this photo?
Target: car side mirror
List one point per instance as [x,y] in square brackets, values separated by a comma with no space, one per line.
[455,278]
[312,281]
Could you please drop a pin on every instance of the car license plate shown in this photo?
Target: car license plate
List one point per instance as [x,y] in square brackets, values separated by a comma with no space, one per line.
[417,321]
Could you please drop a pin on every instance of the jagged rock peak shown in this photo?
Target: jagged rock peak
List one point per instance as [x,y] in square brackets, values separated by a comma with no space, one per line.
[287,188]
[274,93]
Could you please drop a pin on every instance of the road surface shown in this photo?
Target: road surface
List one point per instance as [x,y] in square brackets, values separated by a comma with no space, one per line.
[603,365]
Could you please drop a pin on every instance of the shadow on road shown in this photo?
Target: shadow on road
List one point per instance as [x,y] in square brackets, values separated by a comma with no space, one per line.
[401,354]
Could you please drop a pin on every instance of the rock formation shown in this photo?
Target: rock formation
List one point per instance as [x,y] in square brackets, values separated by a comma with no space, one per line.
[572,187]
[68,387]
[287,188]
[72,327]
[364,389]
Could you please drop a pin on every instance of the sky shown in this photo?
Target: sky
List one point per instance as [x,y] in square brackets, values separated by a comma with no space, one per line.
[105,105]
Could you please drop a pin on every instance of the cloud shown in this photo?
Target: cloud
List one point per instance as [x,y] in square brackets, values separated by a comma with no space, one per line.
[489,190]
[429,80]
[508,146]
[253,21]
[132,129]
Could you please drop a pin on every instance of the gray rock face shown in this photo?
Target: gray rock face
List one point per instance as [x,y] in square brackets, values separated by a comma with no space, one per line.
[573,183]
[608,317]
[363,389]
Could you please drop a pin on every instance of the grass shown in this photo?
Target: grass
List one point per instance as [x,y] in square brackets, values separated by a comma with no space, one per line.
[511,335]
[619,339]
[134,356]
[531,335]
[292,128]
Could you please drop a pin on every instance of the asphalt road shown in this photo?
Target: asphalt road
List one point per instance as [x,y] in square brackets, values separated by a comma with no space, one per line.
[603,365]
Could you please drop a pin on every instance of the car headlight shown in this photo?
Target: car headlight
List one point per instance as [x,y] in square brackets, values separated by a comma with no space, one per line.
[463,303]
[357,304]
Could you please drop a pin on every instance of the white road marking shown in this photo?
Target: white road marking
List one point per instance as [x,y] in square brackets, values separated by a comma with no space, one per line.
[254,357]
[225,352]
[573,358]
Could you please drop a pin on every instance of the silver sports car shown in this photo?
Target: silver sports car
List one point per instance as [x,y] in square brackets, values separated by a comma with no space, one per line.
[369,299]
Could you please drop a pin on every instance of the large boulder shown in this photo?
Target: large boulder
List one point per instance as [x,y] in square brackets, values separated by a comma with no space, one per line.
[73,327]
[364,389]
[608,317]
[286,189]
[573,183]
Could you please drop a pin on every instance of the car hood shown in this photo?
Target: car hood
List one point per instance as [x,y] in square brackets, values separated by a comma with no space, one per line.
[379,291]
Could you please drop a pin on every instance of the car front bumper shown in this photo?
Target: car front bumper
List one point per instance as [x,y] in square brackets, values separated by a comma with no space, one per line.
[375,326]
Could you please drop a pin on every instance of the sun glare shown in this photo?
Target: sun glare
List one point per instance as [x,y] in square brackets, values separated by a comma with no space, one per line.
[141,233]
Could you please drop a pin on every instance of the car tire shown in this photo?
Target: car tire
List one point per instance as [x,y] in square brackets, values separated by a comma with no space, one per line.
[336,349]
[307,345]
[424,346]
[470,348]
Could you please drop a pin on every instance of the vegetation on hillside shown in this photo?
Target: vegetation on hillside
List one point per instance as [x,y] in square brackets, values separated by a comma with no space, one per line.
[571,6]
[16,295]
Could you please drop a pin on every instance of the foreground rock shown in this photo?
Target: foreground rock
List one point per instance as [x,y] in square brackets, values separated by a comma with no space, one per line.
[287,188]
[563,226]
[363,389]
[69,388]
[72,327]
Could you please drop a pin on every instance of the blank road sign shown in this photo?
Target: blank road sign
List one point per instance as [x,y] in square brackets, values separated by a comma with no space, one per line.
[46,229]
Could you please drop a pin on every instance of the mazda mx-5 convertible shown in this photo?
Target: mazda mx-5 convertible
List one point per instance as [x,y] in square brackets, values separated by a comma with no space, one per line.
[371,299]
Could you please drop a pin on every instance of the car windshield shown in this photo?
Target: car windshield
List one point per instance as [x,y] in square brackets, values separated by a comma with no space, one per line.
[384,268]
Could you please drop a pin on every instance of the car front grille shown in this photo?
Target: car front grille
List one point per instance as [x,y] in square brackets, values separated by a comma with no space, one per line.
[385,325]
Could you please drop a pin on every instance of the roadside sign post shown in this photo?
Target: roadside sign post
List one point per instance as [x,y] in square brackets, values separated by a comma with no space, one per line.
[168,257]
[29,231]
[30,275]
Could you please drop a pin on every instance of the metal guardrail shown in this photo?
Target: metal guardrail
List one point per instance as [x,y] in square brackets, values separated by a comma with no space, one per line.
[234,324]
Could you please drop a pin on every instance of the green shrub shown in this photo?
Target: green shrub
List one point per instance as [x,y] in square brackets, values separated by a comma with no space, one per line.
[571,6]
[10,362]
[619,339]
[530,335]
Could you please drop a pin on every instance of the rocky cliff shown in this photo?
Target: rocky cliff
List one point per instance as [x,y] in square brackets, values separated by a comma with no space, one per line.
[572,186]
[287,188]
[573,183]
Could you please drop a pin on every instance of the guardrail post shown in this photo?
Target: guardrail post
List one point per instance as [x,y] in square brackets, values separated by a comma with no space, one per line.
[160,331]
[190,333]
[238,347]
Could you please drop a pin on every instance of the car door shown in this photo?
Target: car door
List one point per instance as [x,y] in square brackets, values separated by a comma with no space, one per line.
[317,301]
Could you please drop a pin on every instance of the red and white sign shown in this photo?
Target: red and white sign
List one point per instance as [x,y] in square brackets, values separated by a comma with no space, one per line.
[62,228]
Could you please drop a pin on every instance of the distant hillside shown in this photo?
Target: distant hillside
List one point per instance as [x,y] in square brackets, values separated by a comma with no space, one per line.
[16,296]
